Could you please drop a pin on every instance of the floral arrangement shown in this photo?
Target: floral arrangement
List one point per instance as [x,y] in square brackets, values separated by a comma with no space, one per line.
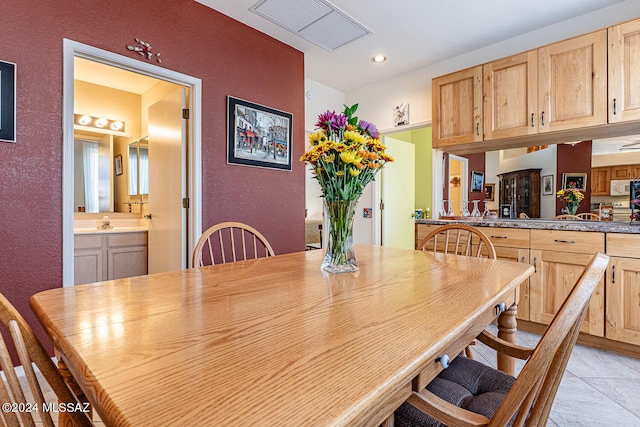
[571,198]
[346,153]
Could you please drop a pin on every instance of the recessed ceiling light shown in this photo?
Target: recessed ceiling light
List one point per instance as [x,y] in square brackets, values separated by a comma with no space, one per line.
[378,59]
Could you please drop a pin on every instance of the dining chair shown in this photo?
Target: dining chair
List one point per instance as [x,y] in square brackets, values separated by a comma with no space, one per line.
[459,239]
[566,216]
[230,242]
[470,393]
[30,352]
[588,216]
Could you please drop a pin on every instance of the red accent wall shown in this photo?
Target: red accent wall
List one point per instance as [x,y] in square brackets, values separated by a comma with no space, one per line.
[574,159]
[229,57]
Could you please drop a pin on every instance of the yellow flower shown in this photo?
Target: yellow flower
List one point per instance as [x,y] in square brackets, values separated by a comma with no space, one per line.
[354,172]
[374,165]
[350,157]
[317,137]
[354,138]
[329,158]
[386,157]
[339,147]
[340,173]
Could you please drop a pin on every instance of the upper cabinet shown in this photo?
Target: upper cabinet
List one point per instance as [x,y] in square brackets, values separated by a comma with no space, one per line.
[574,89]
[457,107]
[573,83]
[624,72]
[510,90]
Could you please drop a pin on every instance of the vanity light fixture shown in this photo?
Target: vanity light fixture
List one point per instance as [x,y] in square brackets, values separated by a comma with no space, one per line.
[378,59]
[99,123]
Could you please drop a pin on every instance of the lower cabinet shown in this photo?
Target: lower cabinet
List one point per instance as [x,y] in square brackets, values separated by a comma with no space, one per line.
[108,256]
[559,258]
[623,289]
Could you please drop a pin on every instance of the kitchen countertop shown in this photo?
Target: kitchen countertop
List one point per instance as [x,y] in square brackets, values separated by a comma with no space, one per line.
[545,224]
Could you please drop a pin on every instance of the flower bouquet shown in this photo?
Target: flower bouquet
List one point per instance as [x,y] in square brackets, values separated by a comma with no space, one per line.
[571,198]
[345,155]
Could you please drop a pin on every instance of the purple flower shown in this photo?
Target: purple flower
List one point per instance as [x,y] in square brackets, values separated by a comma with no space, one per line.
[369,128]
[340,121]
[326,120]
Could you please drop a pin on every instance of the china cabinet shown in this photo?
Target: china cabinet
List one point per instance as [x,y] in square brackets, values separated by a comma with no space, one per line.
[521,191]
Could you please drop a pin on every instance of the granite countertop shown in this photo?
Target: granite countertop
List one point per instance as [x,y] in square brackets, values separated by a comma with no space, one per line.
[545,224]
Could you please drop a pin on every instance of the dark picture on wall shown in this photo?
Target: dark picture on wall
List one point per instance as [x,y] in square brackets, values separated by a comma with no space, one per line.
[489,190]
[574,180]
[7,101]
[477,181]
[547,185]
[258,135]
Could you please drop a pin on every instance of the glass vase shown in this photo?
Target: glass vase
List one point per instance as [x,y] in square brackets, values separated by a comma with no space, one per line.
[572,208]
[340,257]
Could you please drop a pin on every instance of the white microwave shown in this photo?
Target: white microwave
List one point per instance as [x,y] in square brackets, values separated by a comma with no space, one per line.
[620,187]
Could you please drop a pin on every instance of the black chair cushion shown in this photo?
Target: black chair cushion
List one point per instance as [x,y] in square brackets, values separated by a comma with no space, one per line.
[468,384]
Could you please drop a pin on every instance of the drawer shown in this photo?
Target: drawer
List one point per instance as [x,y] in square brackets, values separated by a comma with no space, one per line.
[623,245]
[422,230]
[127,239]
[580,242]
[507,237]
[87,241]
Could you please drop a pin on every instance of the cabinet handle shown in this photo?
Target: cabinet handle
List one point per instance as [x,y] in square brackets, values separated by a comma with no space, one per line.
[478,129]
[444,361]
[535,267]
[613,274]
[565,241]
[531,119]
[522,259]
[499,237]
[614,106]
[542,118]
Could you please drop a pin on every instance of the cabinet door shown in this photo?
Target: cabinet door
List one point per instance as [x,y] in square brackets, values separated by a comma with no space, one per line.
[511,96]
[518,255]
[88,266]
[623,300]
[555,275]
[624,72]
[126,262]
[621,172]
[457,108]
[600,181]
[573,83]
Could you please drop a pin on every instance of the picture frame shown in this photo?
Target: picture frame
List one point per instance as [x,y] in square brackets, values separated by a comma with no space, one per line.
[489,192]
[547,185]
[505,211]
[118,164]
[258,135]
[7,101]
[574,180]
[477,181]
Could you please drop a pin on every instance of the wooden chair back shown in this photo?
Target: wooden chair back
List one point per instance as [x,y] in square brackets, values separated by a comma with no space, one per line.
[17,334]
[566,216]
[588,216]
[230,242]
[530,397]
[459,239]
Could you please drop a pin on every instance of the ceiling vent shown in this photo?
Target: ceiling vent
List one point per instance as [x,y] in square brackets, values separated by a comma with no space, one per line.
[318,21]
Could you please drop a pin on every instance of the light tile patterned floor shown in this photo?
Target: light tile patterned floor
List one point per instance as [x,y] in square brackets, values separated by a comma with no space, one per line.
[599,388]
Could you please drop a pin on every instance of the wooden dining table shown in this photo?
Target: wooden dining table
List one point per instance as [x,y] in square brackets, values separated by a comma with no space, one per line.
[274,341]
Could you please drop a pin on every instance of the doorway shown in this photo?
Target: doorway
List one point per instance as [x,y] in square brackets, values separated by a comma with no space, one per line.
[191,219]
[458,184]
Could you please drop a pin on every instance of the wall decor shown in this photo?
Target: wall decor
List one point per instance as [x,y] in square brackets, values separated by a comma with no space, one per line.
[7,101]
[489,192]
[477,181]
[547,185]
[574,180]
[401,114]
[144,49]
[118,164]
[258,135]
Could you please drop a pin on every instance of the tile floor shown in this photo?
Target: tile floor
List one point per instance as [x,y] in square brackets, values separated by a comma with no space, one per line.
[599,388]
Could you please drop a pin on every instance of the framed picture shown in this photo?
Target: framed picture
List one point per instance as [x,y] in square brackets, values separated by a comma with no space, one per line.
[489,192]
[477,181]
[118,163]
[574,180]
[258,135]
[7,101]
[505,211]
[547,185]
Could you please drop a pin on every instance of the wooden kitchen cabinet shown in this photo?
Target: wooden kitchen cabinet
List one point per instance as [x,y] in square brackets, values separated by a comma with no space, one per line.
[600,181]
[457,108]
[625,172]
[510,90]
[521,191]
[559,258]
[624,72]
[573,83]
[107,256]
[623,289]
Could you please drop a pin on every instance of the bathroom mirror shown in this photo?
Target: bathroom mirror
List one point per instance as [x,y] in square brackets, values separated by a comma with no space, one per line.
[93,183]
[138,153]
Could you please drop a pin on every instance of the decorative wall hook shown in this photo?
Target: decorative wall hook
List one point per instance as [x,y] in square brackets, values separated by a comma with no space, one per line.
[144,49]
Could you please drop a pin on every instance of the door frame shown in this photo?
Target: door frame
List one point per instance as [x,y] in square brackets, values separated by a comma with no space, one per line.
[72,49]
[464,179]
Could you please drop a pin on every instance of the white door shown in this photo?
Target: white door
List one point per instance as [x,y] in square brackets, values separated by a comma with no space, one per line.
[398,195]
[167,184]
